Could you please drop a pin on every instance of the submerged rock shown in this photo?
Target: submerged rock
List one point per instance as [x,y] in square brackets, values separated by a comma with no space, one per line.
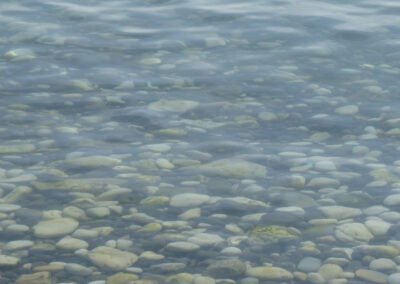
[233,168]
[55,227]
[110,258]
[35,278]
[269,273]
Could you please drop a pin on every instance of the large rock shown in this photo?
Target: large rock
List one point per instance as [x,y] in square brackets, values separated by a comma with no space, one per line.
[55,227]
[233,168]
[110,258]
[269,273]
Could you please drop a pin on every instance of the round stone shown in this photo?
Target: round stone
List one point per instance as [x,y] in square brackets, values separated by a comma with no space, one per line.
[110,258]
[69,243]
[309,264]
[382,264]
[189,200]
[182,247]
[394,278]
[55,227]
[269,273]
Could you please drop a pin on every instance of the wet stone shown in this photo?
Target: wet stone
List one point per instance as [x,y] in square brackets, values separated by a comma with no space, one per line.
[309,264]
[230,268]
[183,247]
[371,276]
[35,278]
[110,258]
[55,227]
[188,200]
[269,273]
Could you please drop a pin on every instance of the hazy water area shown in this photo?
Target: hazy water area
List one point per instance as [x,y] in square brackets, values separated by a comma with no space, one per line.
[199,142]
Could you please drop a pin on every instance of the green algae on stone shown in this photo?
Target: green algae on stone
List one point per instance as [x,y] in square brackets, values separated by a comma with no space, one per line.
[273,232]
[180,278]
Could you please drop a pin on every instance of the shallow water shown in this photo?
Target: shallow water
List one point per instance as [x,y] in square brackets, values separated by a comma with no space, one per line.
[199,142]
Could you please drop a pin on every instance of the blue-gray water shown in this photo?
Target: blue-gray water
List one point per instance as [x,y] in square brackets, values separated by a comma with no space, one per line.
[199,142]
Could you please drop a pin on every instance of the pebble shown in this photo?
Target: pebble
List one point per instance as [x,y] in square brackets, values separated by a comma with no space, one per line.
[372,276]
[98,212]
[309,264]
[340,212]
[392,200]
[205,239]
[189,200]
[382,264]
[18,245]
[69,243]
[233,168]
[378,227]
[347,110]
[394,278]
[93,162]
[78,269]
[182,247]
[55,227]
[226,268]
[110,258]
[330,271]
[353,232]
[35,278]
[269,273]
[6,260]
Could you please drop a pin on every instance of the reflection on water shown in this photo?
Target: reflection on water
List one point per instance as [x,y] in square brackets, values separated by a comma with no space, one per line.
[199,142]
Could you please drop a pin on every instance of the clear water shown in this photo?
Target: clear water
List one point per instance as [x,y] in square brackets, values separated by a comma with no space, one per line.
[271,114]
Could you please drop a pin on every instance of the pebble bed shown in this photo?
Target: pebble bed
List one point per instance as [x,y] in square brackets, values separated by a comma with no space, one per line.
[152,160]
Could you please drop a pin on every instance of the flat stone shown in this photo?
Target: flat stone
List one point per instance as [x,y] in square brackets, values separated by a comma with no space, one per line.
[16,149]
[347,110]
[55,227]
[233,168]
[93,162]
[322,182]
[205,239]
[18,245]
[203,280]
[371,276]
[383,264]
[121,278]
[189,200]
[8,208]
[182,247]
[69,243]
[378,227]
[98,212]
[35,278]
[179,106]
[6,260]
[77,269]
[340,212]
[110,258]
[227,268]
[309,264]
[269,273]
[353,231]
[392,200]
